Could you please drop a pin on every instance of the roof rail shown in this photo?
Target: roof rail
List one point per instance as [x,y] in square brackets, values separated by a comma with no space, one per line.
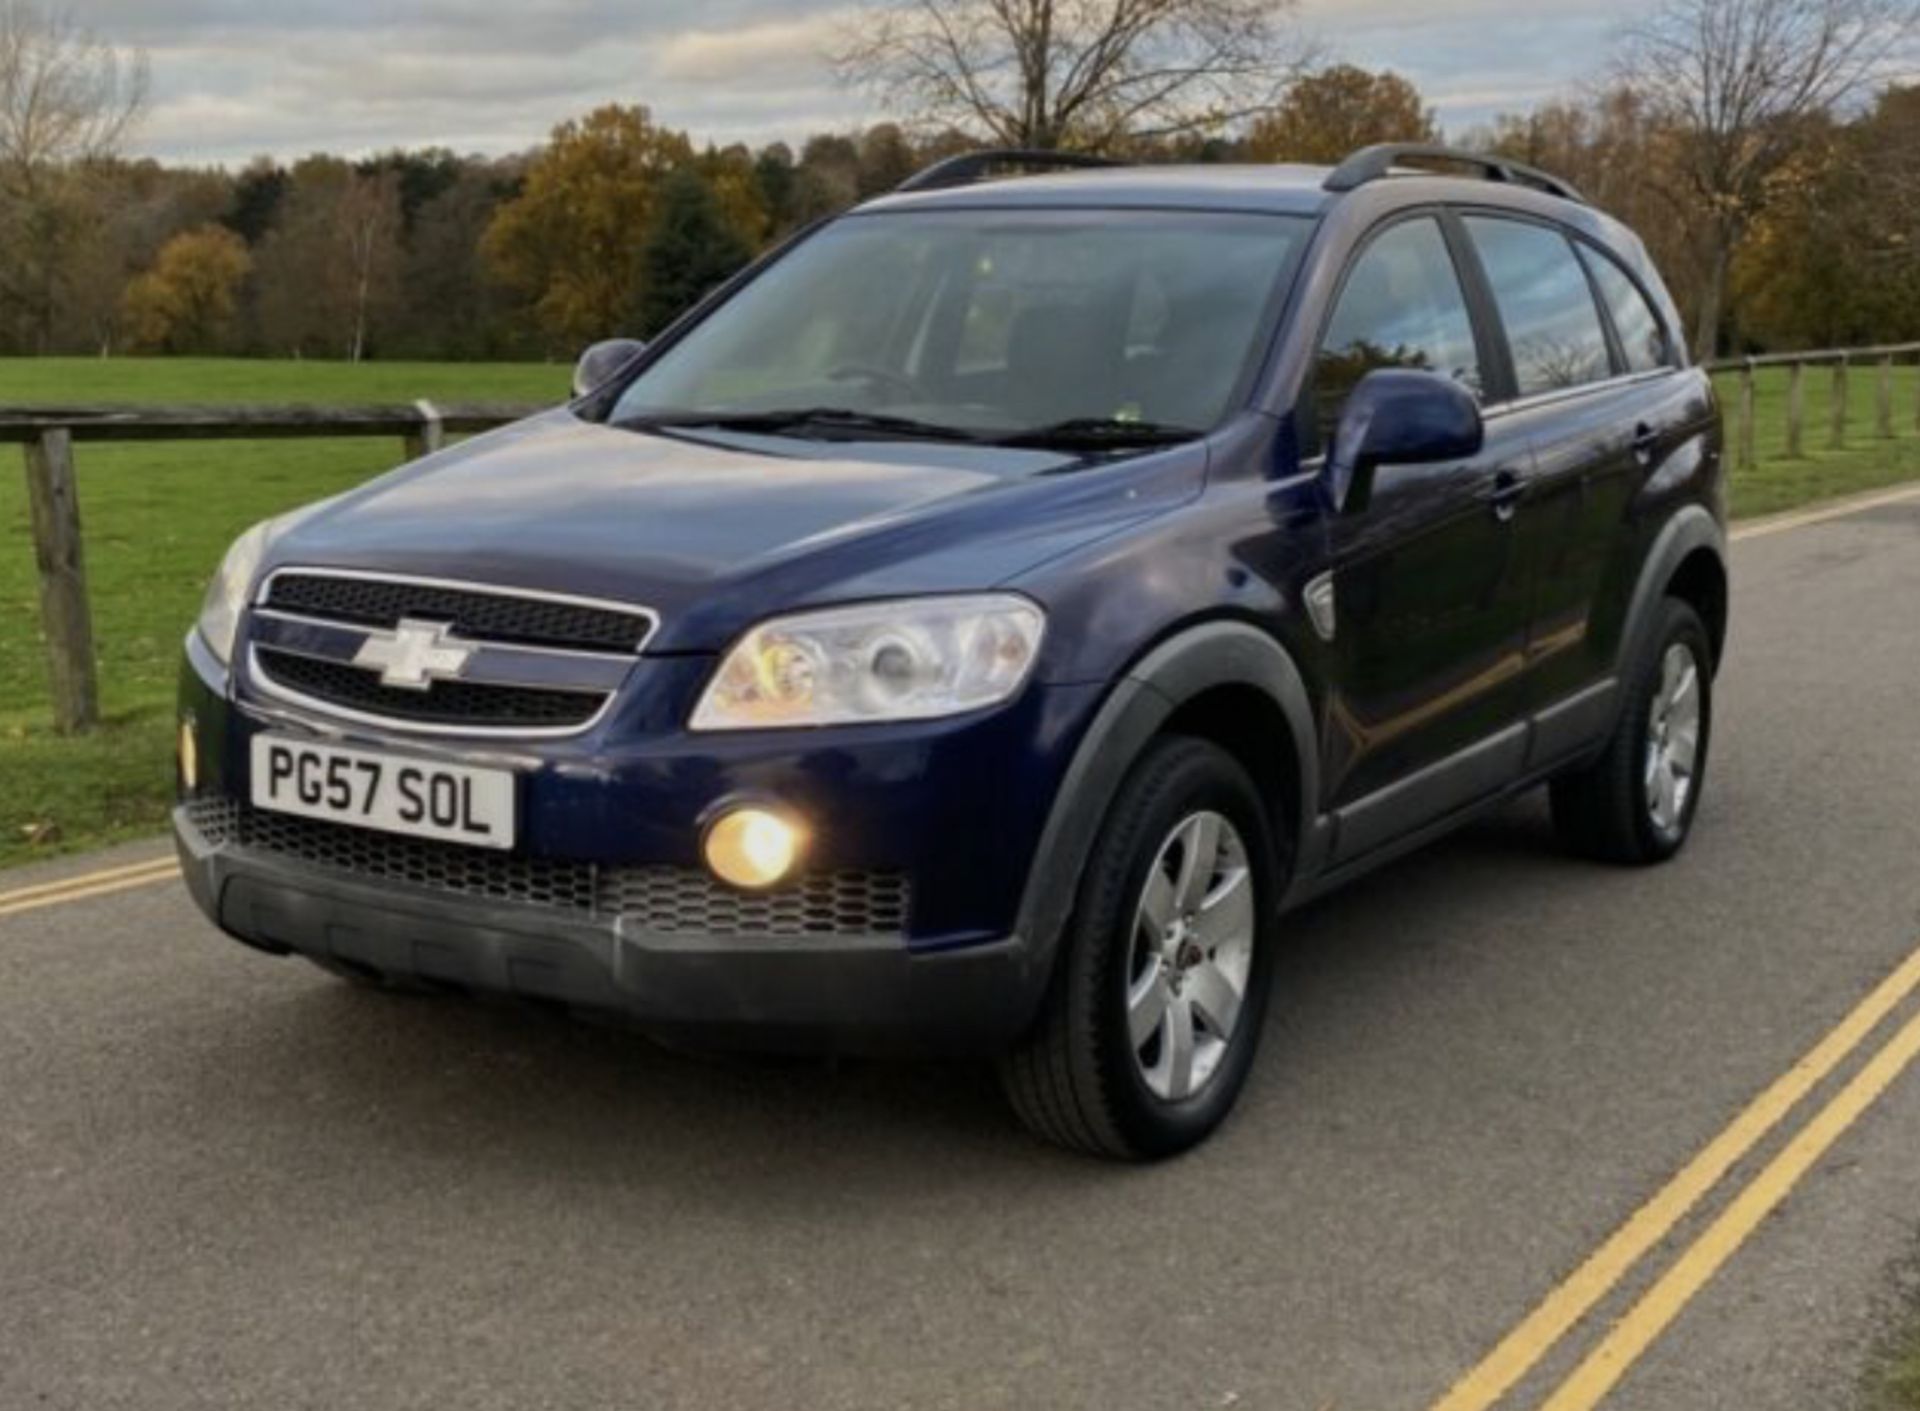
[971,167]
[1372,163]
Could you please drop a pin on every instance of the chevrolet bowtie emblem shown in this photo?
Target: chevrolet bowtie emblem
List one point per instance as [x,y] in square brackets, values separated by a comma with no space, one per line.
[414,655]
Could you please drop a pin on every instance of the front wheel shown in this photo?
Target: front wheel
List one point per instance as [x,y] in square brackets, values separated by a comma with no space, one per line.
[1636,803]
[1151,1025]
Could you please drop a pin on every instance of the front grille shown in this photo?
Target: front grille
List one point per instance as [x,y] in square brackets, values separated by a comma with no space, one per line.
[418,862]
[678,900]
[656,900]
[455,703]
[476,614]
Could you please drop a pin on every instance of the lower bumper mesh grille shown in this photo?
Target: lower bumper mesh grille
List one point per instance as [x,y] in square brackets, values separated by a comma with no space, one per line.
[660,900]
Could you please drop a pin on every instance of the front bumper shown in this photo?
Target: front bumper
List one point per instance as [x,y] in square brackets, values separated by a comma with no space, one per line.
[833,994]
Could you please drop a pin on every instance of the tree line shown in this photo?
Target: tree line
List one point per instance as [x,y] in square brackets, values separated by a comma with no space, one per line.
[1755,144]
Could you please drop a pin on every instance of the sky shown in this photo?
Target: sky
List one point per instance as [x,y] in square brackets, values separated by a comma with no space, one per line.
[237,78]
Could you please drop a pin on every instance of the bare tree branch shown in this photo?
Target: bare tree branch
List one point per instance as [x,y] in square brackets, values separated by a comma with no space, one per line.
[1075,73]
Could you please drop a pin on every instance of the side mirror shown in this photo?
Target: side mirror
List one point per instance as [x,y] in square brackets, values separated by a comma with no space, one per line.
[1397,416]
[600,362]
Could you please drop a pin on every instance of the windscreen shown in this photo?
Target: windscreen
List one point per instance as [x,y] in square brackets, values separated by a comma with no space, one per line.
[992,321]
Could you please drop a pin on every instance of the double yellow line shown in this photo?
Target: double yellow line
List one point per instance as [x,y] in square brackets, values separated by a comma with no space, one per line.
[91,884]
[1543,1329]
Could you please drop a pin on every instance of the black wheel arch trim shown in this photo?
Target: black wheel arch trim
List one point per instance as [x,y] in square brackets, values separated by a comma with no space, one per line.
[1693,527]
[1179,670]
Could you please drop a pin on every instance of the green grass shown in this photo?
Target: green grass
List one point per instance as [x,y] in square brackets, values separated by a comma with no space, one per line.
[157,519]
[1866,462]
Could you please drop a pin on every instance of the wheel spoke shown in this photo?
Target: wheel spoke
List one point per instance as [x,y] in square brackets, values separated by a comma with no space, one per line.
[1199,847]
[1147,1007]
[1158,903]
[1176,1048]
[1683,746]
[1664,806]
[1214,994]
[1226,917]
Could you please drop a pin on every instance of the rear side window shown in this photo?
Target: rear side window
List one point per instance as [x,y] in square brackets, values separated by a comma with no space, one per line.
[1401,306]
[1553,326]
[1642,336]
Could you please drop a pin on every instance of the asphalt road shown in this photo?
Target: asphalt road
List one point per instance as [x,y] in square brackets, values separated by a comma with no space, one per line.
[229,1181]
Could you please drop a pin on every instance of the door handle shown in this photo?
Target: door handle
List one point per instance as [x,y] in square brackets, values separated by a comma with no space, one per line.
[1504,494]
[1646,445]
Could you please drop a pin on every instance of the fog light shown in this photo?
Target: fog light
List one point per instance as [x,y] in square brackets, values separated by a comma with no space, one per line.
[189,757]
[754,847]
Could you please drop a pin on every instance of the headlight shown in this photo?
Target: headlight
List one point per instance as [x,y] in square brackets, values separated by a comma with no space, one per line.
[227,594]
[913,659]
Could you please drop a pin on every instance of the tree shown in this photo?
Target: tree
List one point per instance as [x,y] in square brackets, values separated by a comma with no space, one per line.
[1089,74]
[329,271]
[570,243]
[1336,111]
[185,303]
[67,98]
[690,249]
[1739,82]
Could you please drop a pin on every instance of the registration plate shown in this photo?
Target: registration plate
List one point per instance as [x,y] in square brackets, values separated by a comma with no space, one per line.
[421,798]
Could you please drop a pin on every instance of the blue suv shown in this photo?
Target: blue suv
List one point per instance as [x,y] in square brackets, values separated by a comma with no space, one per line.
[973,628]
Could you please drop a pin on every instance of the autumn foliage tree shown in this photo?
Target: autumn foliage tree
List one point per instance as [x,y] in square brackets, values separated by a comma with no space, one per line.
[572,242]
[186,302]
[1335,111]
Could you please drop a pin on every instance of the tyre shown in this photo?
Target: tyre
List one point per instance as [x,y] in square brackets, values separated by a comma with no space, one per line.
[1636,803]
[1154,1015]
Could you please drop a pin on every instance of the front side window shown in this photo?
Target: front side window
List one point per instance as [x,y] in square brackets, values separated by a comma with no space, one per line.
[1643,338]
[1553,326]
[990,321]
[1401,307]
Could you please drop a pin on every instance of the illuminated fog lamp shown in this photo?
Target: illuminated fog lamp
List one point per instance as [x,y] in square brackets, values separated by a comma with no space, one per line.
[189,756]
[754,848]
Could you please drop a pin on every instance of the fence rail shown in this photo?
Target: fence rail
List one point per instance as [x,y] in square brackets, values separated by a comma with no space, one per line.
[49,434]
[1741,416]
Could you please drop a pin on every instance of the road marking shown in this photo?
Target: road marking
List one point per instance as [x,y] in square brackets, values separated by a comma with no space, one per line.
[91,884]
[1778,524]
[1690,1273]
[1538,1333]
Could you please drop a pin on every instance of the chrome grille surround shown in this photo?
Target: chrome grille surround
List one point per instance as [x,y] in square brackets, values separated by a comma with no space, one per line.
[343,609]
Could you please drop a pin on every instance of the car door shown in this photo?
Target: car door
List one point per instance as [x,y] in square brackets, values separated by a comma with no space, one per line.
[1429,598]
[1584,409]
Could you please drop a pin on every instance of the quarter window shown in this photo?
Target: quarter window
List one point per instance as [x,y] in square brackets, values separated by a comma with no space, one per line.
[1553,326]
[1401,307]
[1642,336]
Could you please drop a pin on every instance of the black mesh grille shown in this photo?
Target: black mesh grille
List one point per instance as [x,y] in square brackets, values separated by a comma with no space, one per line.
[658,900]
[680,900]
[420,862]
[443,703]
[482,616]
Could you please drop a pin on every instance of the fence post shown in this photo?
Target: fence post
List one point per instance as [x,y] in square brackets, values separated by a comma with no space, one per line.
[1883,409]
[54,505]
[1746,433]
[1839,437]
[432,434]
[1796,410]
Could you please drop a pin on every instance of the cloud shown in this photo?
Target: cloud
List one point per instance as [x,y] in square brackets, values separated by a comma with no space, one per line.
[233,78]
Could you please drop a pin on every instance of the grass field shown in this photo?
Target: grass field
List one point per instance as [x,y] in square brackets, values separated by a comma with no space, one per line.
[157,519]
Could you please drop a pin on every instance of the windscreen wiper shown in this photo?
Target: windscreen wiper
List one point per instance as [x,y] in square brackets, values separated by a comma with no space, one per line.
[817,421]
[1096,433]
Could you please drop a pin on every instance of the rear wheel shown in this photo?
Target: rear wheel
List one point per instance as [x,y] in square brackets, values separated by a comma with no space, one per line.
[1155,1013]
[1636,803]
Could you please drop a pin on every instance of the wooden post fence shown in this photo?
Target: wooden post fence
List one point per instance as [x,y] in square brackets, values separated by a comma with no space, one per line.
[1743,418]
[1797,410]
[54,509]
[49,436]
